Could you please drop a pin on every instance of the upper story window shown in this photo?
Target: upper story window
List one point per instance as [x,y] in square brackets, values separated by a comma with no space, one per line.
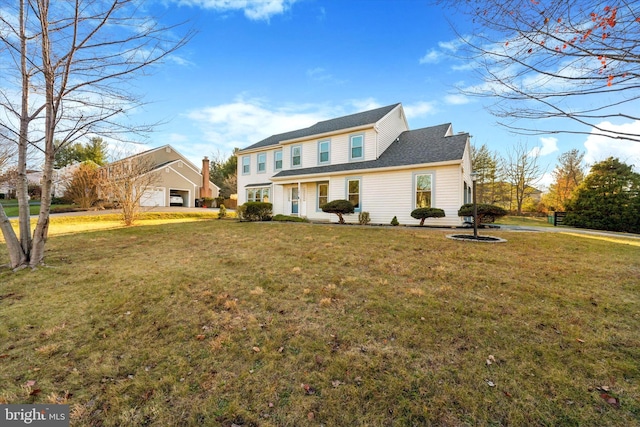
[277,160]
[262,162]
[423,190]
[356,147]
[246,165]
[296,156]
[324,148]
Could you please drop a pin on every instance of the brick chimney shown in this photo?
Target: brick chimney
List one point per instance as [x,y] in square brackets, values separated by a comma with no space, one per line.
[205,191]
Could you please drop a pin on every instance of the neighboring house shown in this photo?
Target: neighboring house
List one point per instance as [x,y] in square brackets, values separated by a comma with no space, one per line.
[370,158]
[62,177]
[8,184]
[176,176]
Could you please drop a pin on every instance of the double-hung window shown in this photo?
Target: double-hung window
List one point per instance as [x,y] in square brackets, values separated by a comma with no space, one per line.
[262,162]
[246,165]
[423,188]
[296,156]
[324,148]
[277,160]
[353,192]
[356,147]
[323,194]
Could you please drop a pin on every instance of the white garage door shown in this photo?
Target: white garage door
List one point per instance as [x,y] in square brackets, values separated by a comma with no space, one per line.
[153,197]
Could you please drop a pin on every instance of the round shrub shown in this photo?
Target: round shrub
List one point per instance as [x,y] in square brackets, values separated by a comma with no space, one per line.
[424,213]
[339,207]
[486,213]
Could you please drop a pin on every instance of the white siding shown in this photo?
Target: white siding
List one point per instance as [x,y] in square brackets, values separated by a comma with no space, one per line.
[254,177]
[388,194]
[389,128]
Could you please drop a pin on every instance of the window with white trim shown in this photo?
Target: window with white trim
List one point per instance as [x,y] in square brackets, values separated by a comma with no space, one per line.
[258,194]
[277,160]
[324,148]
[323,194]
[296,156]
[353,192]
[262,162]
[356,147]
[423,190]
[246,165]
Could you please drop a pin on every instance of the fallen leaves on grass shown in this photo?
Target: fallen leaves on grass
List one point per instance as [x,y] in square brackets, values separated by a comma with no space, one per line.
[613,401]
[308,389]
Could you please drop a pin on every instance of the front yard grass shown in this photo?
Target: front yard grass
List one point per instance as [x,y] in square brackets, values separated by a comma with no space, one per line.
[269,324]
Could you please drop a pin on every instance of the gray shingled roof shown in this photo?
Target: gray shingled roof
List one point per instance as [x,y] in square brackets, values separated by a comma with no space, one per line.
[413,147]
[353,120]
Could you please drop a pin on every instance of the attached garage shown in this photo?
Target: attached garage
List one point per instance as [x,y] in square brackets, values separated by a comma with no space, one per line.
[154,197]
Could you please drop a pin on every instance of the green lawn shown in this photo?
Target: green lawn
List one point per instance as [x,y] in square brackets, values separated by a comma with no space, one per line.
[524,221]
[270,324]
[11,207]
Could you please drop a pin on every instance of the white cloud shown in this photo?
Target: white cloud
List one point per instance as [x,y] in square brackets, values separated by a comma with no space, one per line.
[545,181]
[452,45]
[431,57]
[549,146]
[418,109]
[247,121]
[457,99]
[600,147]
[253,9]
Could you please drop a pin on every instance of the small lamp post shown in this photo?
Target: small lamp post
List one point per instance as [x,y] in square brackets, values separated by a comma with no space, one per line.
[474,177]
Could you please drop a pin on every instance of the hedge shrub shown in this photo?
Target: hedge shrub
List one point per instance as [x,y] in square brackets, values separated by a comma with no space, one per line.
[255,211]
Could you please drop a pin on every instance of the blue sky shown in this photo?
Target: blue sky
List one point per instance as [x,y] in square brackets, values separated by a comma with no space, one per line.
[260,67]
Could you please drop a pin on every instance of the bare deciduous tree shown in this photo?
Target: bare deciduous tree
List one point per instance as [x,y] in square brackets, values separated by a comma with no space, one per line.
[555,62]
[82,187]
[70,62]
[522,171]
[126,183]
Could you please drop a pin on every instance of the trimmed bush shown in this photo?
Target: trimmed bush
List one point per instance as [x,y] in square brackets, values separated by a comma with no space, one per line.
[255,211]
[287,218]
[222,212]
[339,207]
[486,213]
[424,213]
[364,218]
[394,221]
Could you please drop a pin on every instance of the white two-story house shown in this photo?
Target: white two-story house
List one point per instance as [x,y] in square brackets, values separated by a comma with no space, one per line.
[370,158]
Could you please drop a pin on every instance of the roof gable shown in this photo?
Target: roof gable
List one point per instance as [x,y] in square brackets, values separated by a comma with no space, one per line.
[346,122]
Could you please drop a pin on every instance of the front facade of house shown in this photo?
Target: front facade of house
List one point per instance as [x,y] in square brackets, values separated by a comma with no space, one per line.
[174,175]
[370,158]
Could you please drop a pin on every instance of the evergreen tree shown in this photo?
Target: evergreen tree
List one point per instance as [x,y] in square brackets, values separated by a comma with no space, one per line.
[487,164]
[95,151]
[607,199]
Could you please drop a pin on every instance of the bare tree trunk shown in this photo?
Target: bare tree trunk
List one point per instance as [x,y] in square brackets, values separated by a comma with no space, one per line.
[16,255]
[22,184]
[42,227]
